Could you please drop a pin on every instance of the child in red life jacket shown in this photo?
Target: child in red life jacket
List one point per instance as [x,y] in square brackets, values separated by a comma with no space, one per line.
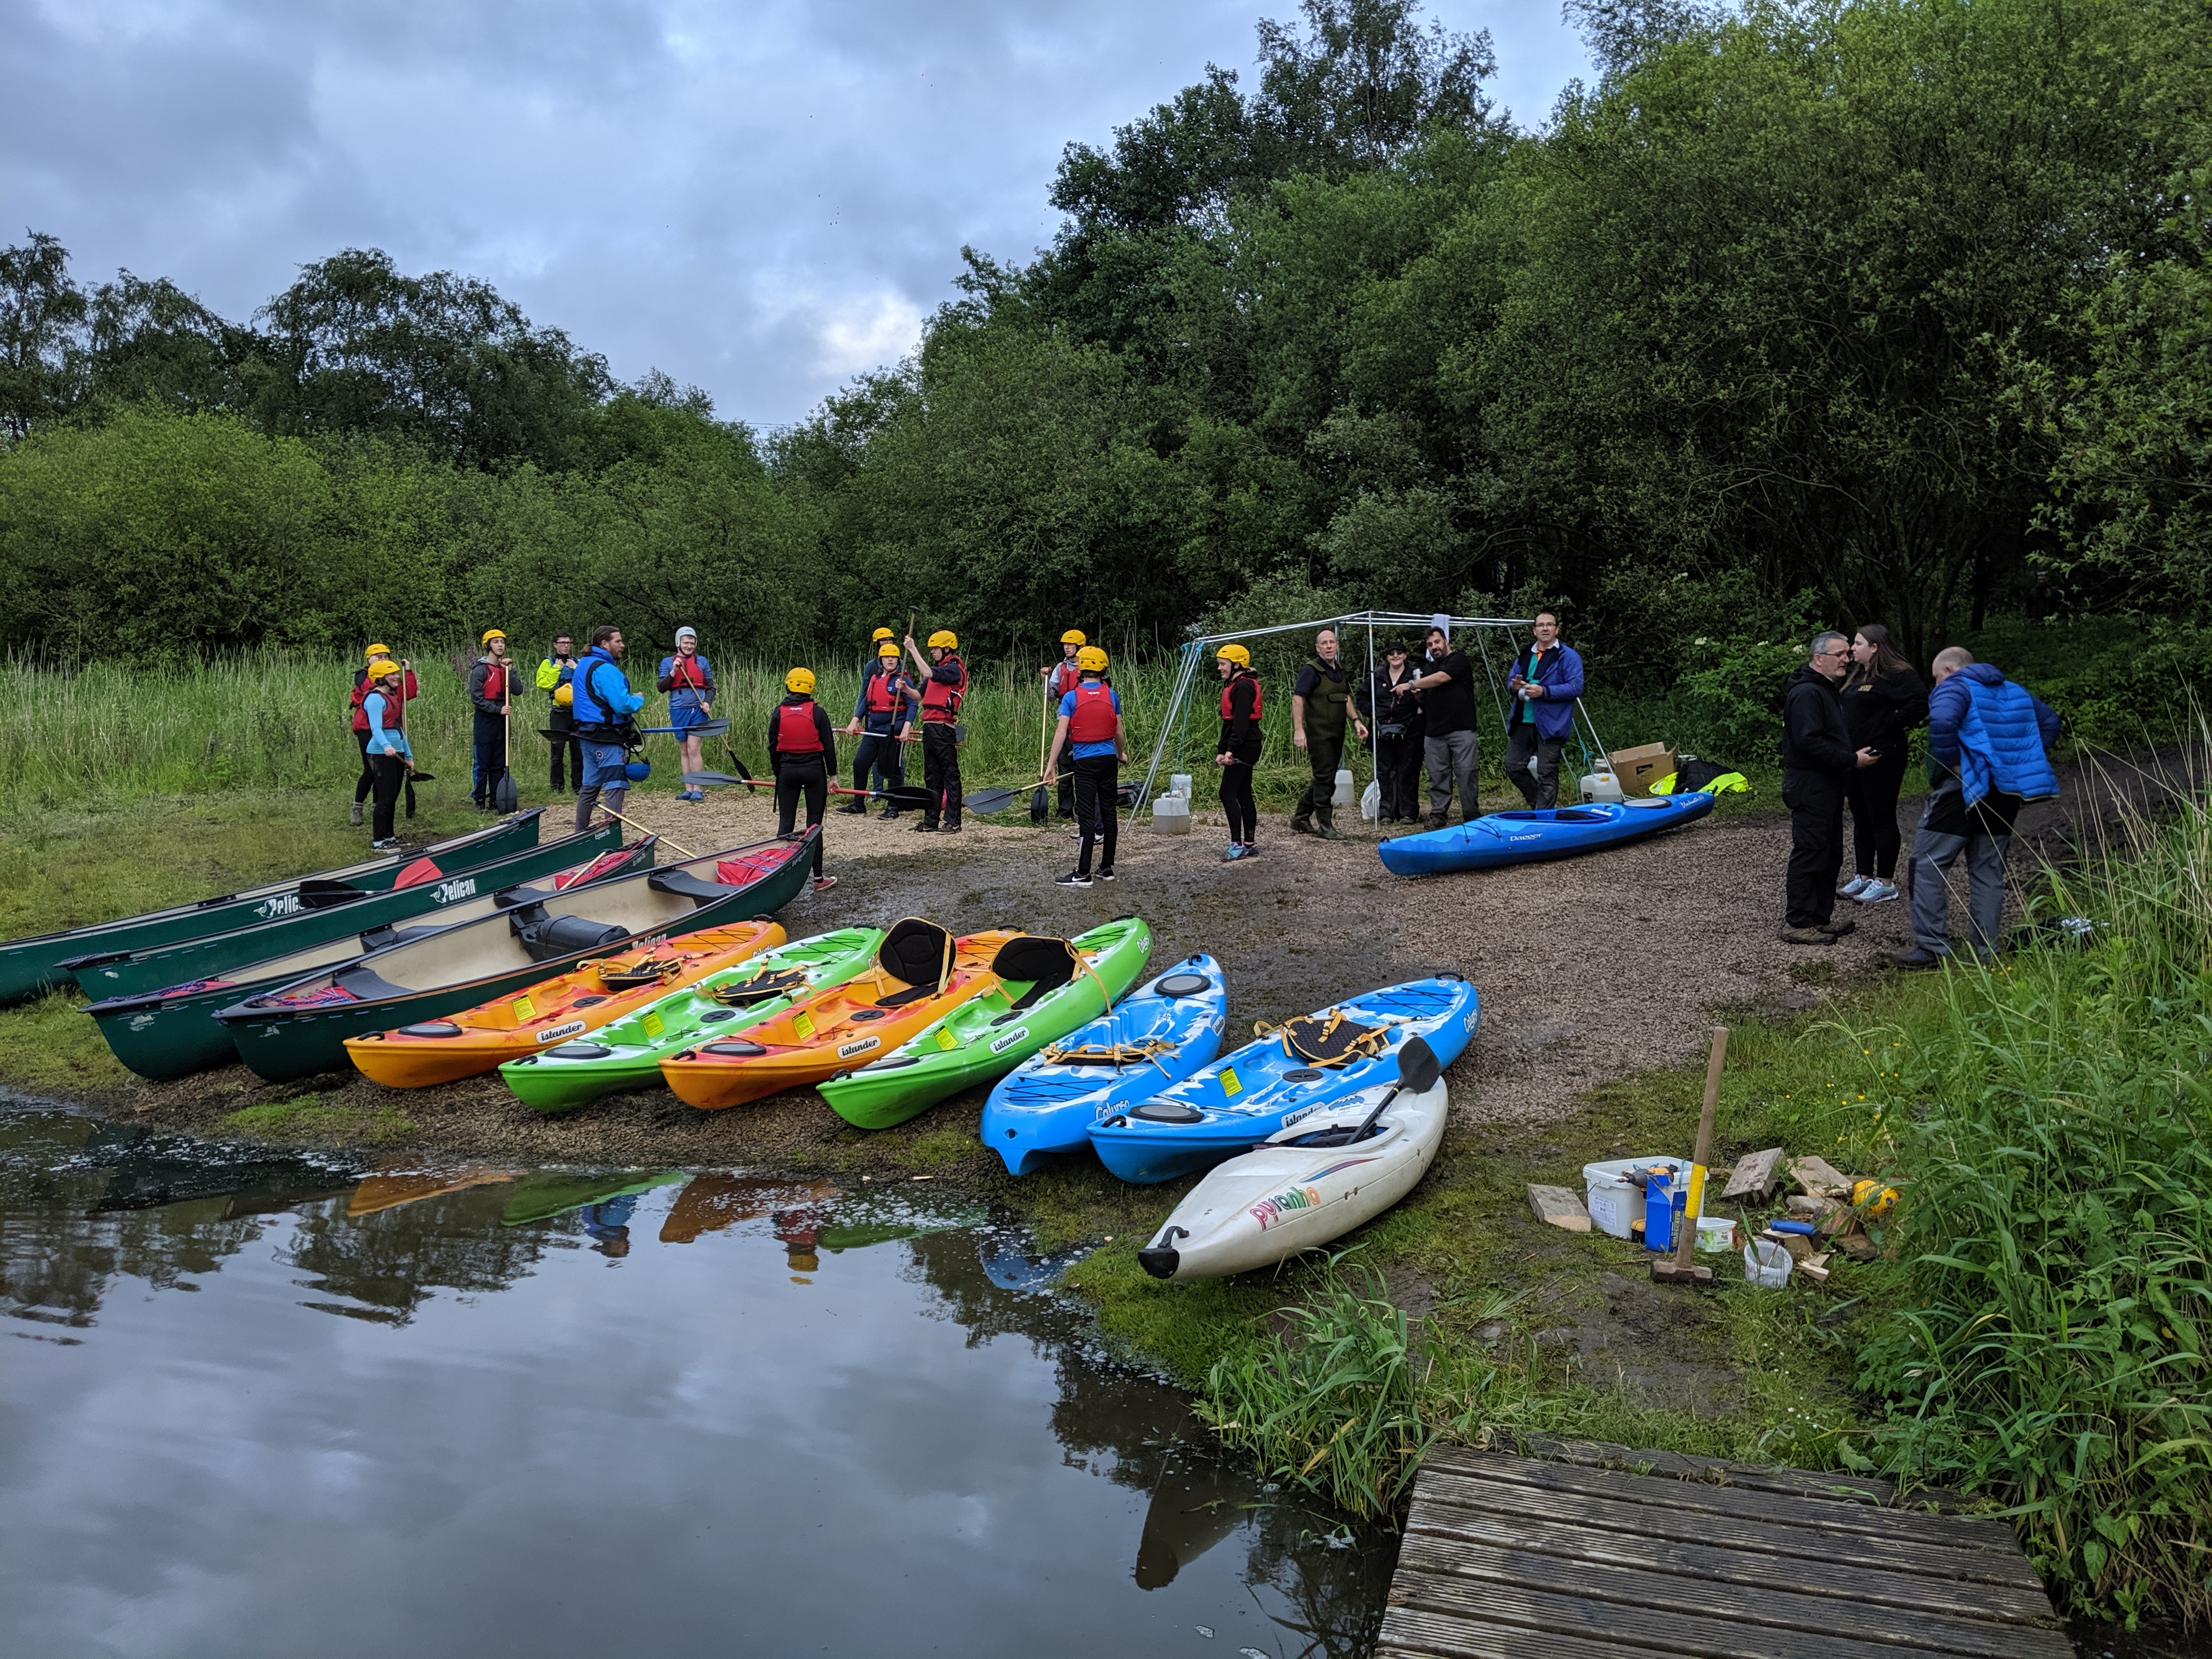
[802,753]
[1091,729]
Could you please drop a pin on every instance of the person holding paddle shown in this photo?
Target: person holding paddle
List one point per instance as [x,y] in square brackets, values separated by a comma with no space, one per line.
[689,680]
[607,719]
[1061,678]
[386,749]
[490,692]
[1091,729]
[802,753]
[885,707]
[943,680]
[364,682]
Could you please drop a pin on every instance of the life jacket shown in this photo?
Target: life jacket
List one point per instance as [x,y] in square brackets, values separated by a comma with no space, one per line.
[883,692]
[1229,684]
[495,682]
[795,731]
[1329,702]
[360,697]
[1095,715]
[684,673]
[940,699]
[388,717]
[593,718]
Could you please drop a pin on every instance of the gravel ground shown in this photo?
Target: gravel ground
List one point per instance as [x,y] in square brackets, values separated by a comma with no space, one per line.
[1590,968]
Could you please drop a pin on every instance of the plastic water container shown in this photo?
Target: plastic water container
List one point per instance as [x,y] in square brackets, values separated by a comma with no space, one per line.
[1613,1204]
[1767,1265]
[1601,785]
[1171,815]
[1343,796]
[1179,784]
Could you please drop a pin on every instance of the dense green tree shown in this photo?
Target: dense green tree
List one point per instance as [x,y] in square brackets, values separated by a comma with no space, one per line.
[40,354]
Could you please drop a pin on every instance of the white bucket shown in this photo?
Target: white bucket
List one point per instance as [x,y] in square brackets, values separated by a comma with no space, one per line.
[1767,1265]
[1343,796]
[1613,1203]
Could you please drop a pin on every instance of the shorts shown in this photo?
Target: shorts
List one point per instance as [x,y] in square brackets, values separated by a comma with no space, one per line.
[684,716]
[603,766]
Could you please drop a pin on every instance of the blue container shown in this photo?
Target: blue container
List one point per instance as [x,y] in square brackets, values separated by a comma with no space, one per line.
[1663,1204]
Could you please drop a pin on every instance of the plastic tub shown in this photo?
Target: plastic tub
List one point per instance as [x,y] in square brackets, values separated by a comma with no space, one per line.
[1613,1204]
[1716,1234]
[1767,1265]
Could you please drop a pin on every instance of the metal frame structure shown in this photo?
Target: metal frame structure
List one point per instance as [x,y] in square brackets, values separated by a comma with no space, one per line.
[1194,653]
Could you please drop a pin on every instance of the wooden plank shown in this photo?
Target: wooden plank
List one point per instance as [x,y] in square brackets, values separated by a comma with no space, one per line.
[1667,1630]
[1721,1532]
[1408,1631]
[1944,1530]
[1819,1177]
[1753,1176]
[1556,1206]
[1702,1558]
[1716,1471]
[1896,1617]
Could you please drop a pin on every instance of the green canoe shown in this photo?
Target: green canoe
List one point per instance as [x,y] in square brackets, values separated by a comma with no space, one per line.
[173,1032]
[1042,996]
[299,1029]
[548,1192]
[30,966]
[627,1055]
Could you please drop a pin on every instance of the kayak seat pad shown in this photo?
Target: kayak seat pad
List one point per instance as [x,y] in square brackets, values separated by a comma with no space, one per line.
[685,884]
[1333,1039]
[1048,963]
[761,987]
[919,955]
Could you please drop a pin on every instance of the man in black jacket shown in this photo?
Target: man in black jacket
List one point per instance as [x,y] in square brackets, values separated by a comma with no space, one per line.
[1817,763]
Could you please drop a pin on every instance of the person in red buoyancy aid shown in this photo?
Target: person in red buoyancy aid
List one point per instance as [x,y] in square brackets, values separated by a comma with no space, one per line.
[887,704]
[363,685]
[1091,731]
[802,753]
[1239,751]
[943,680]
[387,749]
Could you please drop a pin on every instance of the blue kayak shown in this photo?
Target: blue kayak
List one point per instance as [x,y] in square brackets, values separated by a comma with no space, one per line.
[1157,1036]
[1304,1066]
[1497,839]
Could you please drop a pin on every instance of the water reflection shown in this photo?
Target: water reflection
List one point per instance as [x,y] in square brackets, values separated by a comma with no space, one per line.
[502,1444]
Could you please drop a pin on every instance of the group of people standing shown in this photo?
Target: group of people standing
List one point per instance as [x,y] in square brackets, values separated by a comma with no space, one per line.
[1848,719]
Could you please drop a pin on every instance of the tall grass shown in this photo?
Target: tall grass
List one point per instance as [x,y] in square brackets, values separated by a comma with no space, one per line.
[2050,1122]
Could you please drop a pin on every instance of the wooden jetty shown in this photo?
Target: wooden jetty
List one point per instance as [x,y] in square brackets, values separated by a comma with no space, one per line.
[1522,1558]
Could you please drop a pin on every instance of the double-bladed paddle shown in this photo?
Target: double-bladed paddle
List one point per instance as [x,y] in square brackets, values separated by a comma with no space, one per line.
[704,729]
[903,798]
[1418,1068]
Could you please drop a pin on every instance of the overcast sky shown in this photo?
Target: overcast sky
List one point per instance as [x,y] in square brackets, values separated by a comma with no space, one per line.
[760,199]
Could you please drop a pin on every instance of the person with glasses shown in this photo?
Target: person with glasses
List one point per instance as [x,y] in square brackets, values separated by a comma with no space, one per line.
[1818,762]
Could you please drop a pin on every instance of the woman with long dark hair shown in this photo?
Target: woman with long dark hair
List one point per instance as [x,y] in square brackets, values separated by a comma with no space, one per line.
[1884,698]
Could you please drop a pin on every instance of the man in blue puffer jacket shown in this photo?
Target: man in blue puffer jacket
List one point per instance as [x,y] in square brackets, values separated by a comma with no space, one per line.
[1989,754]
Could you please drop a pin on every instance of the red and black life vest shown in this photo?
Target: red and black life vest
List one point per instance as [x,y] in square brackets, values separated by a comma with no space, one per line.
[1094,715]
[388,716]
[940,699]
[495,682]
[684,674]
[882,695]
[795,731]
[1229,685]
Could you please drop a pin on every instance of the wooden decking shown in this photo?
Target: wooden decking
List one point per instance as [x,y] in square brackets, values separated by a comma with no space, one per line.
[1515,1557]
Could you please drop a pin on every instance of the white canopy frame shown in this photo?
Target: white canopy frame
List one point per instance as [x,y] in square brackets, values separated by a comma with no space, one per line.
[1490,631]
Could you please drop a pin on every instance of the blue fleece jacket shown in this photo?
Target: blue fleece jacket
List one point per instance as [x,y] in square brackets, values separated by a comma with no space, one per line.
[1560,674]
[1994,734]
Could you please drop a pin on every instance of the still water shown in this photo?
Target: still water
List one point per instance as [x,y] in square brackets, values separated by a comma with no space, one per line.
[268,1405]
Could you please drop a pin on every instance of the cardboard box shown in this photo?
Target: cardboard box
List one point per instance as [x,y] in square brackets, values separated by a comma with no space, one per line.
[1639,769]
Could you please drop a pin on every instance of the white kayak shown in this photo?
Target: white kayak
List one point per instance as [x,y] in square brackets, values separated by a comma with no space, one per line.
[1287,1194]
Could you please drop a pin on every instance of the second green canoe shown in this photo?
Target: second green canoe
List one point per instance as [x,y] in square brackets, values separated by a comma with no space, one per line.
[627,1055]
[1044,993]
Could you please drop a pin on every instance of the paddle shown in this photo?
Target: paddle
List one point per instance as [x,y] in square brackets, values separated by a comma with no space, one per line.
[504,796]
[992,801]
[1039,809]
[704,729]
[1418,1069]
[903,797]
[407,669]
[641,829]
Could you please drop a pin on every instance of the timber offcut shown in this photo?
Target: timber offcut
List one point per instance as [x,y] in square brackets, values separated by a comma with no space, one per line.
[1517,1558]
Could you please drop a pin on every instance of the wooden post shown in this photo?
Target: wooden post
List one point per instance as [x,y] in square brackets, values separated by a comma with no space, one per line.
[1680,1270]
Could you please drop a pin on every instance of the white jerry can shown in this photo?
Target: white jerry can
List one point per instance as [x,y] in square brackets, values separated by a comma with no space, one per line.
[1171,815]
[1343,796]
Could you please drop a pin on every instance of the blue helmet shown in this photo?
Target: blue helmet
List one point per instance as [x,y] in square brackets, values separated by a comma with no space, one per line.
[638,771]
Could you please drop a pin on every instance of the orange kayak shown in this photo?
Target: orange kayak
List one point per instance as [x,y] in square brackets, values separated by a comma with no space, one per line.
[920,974]
[593,994]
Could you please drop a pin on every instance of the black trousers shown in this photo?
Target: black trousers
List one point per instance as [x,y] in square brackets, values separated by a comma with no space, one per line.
[1398,771]
[1875,838]
[940,773]
[796,778]
[1236,803]
[1815,801]
[568,747]
[367,781]
[1324,752]
[882,756]
[1521,741]
[1067,792]
[1097,813]
[490,757]
[390,774]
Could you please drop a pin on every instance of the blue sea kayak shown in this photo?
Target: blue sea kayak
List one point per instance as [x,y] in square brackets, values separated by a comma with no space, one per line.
[1234,1104]
[1497,839]
[1160,1034]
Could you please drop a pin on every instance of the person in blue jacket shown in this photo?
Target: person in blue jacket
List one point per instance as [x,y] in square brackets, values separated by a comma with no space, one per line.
[1989,755]
[387,752]
[606,722]
[688,679]
[1544,683]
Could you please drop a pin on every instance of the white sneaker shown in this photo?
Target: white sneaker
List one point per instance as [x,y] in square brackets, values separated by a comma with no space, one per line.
[1854,887]
[1876,891]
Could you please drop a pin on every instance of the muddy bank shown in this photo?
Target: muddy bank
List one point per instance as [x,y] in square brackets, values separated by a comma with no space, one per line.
[1590,970]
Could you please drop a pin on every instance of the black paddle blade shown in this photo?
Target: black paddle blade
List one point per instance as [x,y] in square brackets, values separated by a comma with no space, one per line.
[504,795]
[1418,1068]
[989,800]
[1040,807]
[709,779]
[906,797]
[739,766]
[551,736]
[422,777]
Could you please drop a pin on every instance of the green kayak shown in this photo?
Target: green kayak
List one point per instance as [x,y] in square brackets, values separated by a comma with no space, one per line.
[30,966]
[173,1032]
[1046,989]
[548,1192]
[627,1055]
